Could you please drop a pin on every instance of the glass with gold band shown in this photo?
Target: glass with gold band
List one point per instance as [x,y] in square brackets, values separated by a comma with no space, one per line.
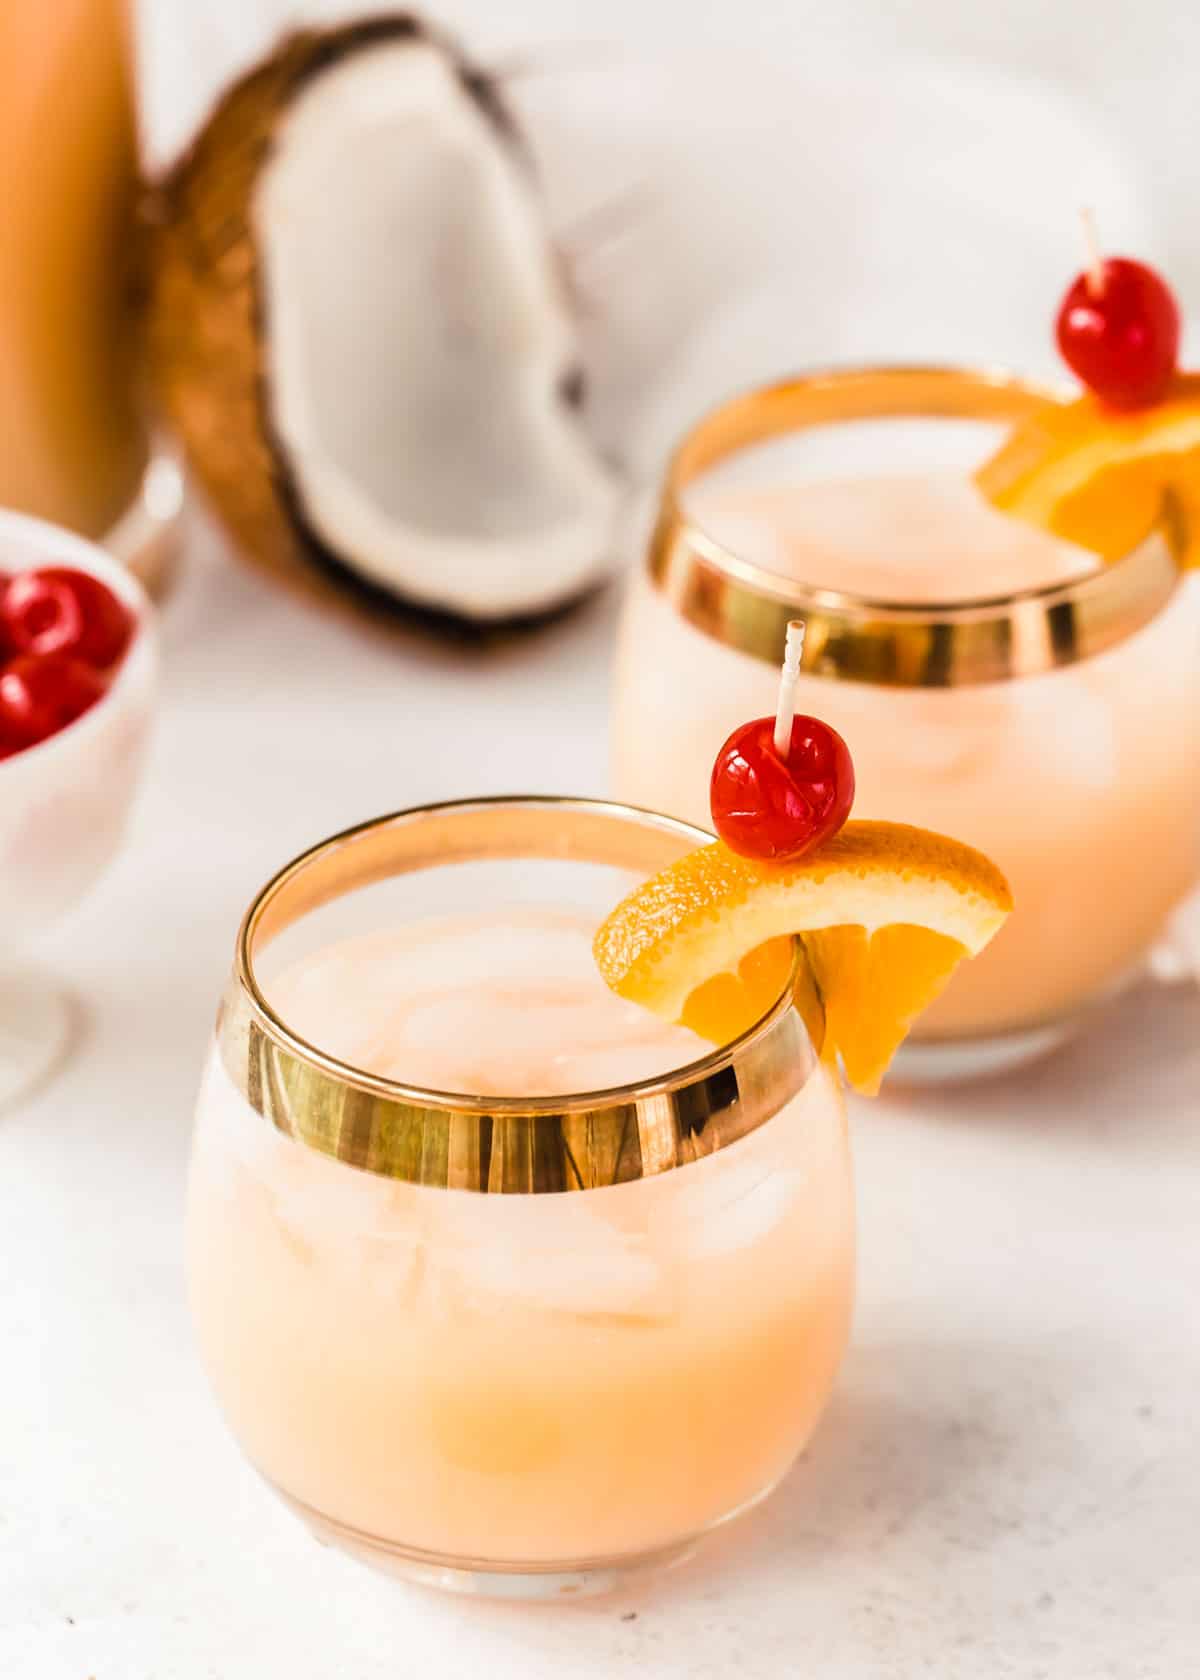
[947,644]
[488,1143]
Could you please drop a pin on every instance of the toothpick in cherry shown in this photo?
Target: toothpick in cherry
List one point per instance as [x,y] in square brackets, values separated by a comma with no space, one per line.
[782,785]
[1118,327]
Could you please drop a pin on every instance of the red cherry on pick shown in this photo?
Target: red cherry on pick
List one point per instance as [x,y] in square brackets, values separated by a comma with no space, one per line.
[58,610]
[38,697]
[763,807]
[1118,329]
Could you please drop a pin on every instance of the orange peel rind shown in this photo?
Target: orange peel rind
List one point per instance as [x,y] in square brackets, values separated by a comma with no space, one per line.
[1100,477]
[886,913]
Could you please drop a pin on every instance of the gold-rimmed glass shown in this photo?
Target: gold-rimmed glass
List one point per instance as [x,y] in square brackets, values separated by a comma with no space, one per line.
[504,1343]
[1056,727]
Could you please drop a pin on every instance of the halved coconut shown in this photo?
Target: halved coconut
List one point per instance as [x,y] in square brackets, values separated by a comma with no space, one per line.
[360,327]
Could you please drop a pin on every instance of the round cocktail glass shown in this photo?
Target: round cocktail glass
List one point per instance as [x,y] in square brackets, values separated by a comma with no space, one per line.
[1056,727]
[499,1342]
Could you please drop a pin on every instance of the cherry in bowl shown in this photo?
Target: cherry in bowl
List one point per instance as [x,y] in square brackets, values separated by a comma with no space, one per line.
[63,635]
[60,610]
[40,696]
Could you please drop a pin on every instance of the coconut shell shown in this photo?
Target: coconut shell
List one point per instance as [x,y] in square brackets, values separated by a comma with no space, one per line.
[205,334]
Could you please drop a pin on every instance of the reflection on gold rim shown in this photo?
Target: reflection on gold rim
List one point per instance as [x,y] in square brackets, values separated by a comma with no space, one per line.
[582,1141]
[893,643]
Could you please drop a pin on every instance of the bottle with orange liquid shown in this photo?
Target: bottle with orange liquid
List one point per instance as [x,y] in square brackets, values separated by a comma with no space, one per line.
[73,447]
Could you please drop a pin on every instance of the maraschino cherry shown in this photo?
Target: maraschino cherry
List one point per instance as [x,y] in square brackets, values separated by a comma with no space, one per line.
[782,785]
[1118,328]
[41,695]
[57,610]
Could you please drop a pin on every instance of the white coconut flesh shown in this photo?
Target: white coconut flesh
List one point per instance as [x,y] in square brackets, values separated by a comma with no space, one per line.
[418,341]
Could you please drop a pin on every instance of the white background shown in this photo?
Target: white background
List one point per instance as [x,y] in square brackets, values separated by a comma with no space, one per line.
[1006,1483]
[1130,66]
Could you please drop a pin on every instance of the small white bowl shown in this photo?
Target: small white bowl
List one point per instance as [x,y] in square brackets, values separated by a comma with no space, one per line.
[64,803]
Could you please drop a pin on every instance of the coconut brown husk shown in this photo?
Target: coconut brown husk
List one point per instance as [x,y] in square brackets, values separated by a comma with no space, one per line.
[205,333]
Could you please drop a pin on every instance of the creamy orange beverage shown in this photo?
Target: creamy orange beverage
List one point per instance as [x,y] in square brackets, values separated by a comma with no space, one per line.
[74,447]
[514,1378]
[991,681]
[919,536]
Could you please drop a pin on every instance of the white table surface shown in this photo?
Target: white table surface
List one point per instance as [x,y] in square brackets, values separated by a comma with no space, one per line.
[1006,1483]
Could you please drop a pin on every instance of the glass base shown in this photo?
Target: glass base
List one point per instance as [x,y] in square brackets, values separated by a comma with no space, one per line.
[35,1032]
[572,1578]
[144,539]
[951,1061]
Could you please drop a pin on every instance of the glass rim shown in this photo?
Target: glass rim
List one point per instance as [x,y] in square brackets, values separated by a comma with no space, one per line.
[889,641]
[305,1091]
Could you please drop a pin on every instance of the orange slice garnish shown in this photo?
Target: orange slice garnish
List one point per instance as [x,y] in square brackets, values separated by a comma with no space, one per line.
[1100,477]
[886,912]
